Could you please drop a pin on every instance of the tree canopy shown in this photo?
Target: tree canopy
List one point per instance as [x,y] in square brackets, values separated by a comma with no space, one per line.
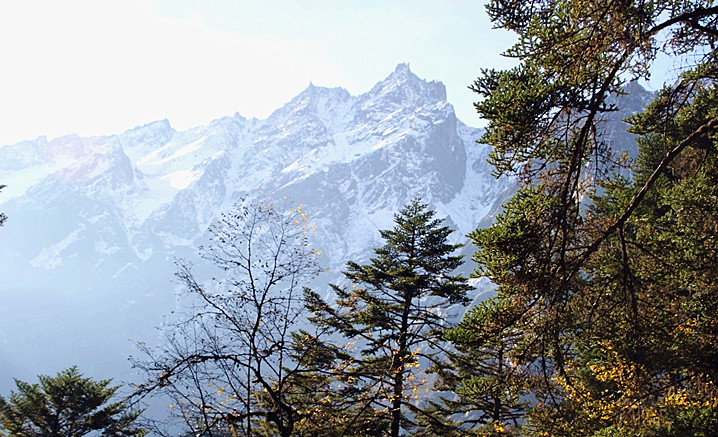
[394,312]
[66,405]
[605,265]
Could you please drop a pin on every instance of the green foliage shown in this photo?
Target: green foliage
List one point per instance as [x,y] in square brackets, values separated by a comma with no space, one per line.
[607,275]
[66,405]
[485,385]
[392,317]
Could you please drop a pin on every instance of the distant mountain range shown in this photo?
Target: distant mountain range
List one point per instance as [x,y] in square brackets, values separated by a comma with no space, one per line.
[94,224]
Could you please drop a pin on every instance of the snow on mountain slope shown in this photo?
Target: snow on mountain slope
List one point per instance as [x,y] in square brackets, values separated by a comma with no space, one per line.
[95,223]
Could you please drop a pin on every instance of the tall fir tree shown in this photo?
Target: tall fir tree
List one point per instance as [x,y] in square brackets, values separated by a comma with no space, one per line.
[393,313]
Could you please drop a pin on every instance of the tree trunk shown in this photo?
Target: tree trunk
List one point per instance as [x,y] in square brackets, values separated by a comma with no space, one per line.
[397,366]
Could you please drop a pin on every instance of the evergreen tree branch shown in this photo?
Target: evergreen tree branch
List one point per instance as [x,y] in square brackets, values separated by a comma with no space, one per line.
[705,130]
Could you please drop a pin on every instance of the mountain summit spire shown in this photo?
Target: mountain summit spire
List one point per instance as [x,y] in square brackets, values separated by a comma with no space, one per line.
[406,88]
[402,69]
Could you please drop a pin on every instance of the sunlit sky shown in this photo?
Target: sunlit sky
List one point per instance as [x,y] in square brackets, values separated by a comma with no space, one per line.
[95,67]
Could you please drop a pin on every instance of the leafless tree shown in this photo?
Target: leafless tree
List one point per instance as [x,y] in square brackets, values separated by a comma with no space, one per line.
[228,362]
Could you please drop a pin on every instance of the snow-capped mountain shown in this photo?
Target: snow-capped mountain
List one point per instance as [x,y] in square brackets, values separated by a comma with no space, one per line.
[95,224]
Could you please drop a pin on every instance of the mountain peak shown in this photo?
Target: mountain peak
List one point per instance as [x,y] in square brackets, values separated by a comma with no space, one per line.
[402,69]
[151,135]
[158,125]
[312,91]
[405,87]
[402,74]
[313,100]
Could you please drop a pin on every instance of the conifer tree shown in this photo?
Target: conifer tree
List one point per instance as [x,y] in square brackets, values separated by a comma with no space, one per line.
[607,271]
[485,383]
[66,405]
[394,312]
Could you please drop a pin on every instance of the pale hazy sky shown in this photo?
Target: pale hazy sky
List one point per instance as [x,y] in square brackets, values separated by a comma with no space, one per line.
[97,67]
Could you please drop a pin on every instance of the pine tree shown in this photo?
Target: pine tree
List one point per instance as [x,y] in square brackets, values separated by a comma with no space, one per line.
[66,405]
[394,312]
